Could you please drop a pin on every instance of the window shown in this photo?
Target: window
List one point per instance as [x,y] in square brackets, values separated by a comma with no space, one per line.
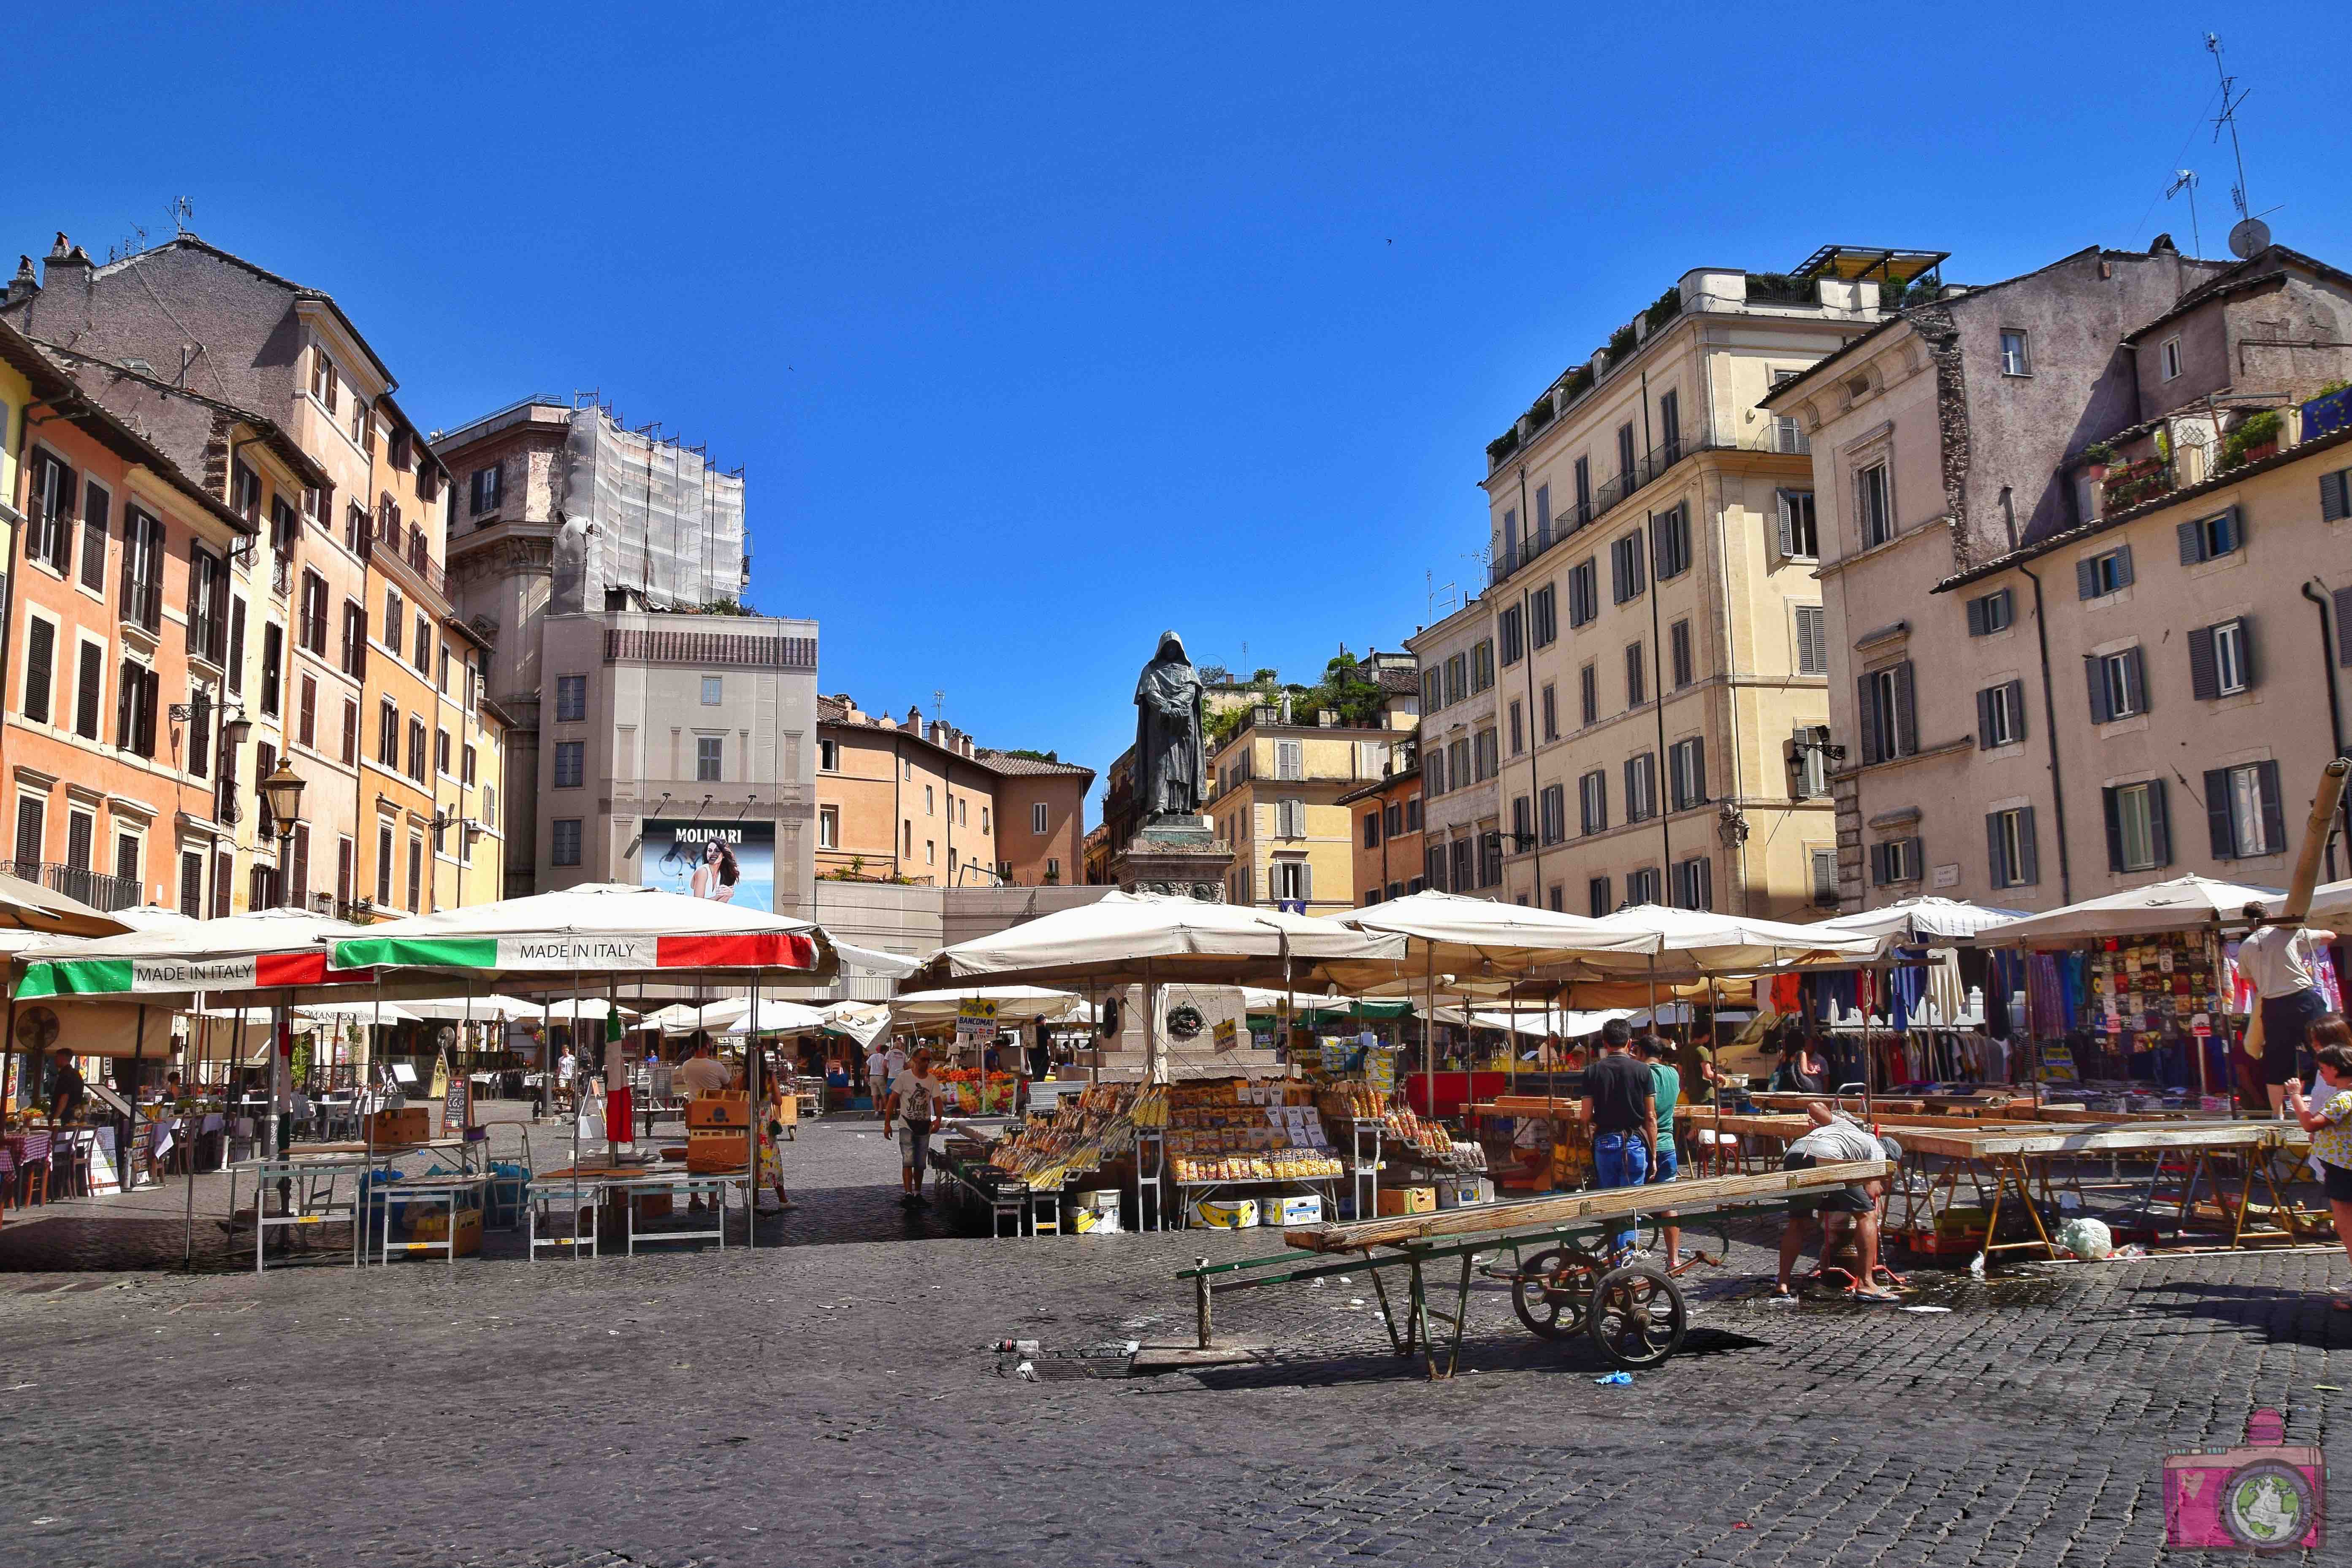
[1290,759]
[1543,516]
[1511,562]
[416,750]
[1825,877]
[97,515]
[1293,879]
[2221,659]
[30,829]
[930,851]
[1587,692]
[488,484]
[1807,750]
[1642,787]
[1992,613]
[1895,861]
[709,756]
[1670,428]
[1583,592]
[1551,713]
[1371,830]
[298,875]
[142,568]
[828,828]
[1628,573]
[346,870]
[1490,858]
[2169,358]
[40,658]
[90,693]
[1512,635]
[1686,776]
[355,640]
[2096,576]
[441,753]
[570,698]
[1432,691]
[1523,824]
[2014,360]
[350,751]
[273,657]
[126,858]
[394,608]
[2244,811]
[192,884]
[466,777]
[1551,813]
[1889,729]
[2209,538]
[1636,686]
[2000,715]
[387,734]
[306,724]
[415,871]
[1695,883]
[1592,801]
[1642,886]
[1596,898]
[984,820]
[1671,549]
[1395,823]
[1456,687]
[1625,458]
[2118,685]
[423,657]
[200,724]
[714,689]
[138,698]
[1583,493]
[1873,505]
[325,385]
[1433,770]
[567,841]
[1812,640]
[49,537]
[1482,665]
[311,631]
[828,756]
[489,808]
[1486,755]
[1519,728]
[1800,535]
[1678,641]
[1543,612]
[1457,763]
[2139,837]
[1413,814]
[2009,850]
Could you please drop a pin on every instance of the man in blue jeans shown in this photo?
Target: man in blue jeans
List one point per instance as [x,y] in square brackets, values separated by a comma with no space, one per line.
[1620,1107]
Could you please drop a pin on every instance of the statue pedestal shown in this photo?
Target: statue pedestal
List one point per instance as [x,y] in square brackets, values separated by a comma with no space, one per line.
[1182,855]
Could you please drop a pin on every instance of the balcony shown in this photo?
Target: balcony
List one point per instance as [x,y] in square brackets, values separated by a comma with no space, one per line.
[2179,452]
[95,889]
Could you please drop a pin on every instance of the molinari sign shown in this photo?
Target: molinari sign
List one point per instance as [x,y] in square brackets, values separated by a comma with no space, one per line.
[727,862]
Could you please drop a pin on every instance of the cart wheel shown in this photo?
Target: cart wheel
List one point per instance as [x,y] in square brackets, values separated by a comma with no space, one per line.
[1637,1316]
[1552,1291]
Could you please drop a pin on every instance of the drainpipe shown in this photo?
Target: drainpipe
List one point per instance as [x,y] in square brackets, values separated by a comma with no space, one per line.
[2050,727]
[1527,668]
[2335,711]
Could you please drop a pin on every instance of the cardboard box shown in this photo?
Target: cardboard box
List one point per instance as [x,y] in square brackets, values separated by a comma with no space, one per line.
[1408,1200]
[433,1225]
[410,1124]
[1224,1213]
[1093,1222]
[716,1149]
[1458,1192]
[727,1108]
[1300,1209]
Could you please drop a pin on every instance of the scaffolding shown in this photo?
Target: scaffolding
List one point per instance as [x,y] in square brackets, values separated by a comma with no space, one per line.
[645,516]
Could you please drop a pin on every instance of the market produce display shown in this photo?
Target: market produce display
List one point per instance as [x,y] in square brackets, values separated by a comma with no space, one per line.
[1076,1137]
[1235,1130]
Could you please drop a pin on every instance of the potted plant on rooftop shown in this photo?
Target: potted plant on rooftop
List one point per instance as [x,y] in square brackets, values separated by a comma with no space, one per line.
[2255,437]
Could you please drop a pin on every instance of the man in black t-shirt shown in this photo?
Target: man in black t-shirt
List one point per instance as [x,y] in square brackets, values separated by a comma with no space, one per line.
[1621,1106]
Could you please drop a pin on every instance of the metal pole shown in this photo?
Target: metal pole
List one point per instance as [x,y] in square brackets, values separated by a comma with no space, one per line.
[751,1084]
[203,1028]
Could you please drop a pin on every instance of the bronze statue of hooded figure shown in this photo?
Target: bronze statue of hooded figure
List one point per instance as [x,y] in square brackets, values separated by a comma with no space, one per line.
[1170,762]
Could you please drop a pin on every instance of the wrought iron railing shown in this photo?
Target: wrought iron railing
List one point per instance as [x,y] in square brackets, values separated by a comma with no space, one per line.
[95,889]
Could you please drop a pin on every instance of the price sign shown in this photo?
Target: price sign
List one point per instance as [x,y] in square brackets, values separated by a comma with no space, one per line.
[976,1018]
[1380,1068]
[1225,1035]
[456,1100]
[2058,1065]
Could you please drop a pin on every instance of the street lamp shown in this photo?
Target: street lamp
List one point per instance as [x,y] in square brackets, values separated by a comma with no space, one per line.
[282,789]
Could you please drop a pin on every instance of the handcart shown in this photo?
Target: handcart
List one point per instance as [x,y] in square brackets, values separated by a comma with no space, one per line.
[1562,1283]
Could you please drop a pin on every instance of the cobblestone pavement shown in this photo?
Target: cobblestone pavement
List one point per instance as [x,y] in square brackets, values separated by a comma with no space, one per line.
[832,1399]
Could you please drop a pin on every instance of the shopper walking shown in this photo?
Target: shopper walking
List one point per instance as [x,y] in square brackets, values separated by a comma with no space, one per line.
[915,1099]
[2277,961]
[2330,1126]
[1658,1055]
[1620,1107]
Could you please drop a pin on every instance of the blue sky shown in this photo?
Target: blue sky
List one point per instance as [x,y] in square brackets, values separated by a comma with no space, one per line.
[1041,329]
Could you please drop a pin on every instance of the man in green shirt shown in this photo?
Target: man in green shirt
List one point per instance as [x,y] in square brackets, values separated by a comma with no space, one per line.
[1659,1054]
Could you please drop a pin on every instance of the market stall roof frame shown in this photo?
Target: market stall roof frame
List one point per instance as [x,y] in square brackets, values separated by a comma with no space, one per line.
[2181,903]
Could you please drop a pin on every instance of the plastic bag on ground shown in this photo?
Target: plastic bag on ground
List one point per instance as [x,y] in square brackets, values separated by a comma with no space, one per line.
[2088,1239]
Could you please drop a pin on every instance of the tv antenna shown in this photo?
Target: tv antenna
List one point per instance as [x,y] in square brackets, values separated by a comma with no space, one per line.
[939,705]
[2186,179]
[2250,234]
[184,212]
[1435,592]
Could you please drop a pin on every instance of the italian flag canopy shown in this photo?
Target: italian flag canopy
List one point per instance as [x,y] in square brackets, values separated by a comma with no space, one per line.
[270,948]
[595,930]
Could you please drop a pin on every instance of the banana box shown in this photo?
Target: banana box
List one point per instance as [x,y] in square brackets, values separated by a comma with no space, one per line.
[1087,1221]
[1224,1213]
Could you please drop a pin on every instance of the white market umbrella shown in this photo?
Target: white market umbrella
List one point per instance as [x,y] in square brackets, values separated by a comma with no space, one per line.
[152,917]
[599,931]
[1127,937]
[267,950]
[772,1015]
[1262,999]
[890,965]
[2183,903]
[1480,937]
[1014,1003]
[864,1022]
[1926,921]
[483,1009]
[2331,905]
[686,1017]
[1697,943]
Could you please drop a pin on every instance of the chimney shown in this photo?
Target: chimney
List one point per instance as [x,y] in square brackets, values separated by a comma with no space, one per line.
[24,286]
[66,257]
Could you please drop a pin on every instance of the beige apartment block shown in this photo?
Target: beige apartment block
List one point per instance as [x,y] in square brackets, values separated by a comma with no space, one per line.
[2085,555]
[1275,798]
[1655,613]
[1462,750]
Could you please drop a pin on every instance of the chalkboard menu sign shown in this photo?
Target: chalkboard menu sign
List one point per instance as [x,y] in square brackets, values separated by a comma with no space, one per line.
[458,1104]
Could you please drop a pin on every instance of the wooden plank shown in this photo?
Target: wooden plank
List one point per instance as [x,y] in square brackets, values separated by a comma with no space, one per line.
[1562,1110]
[1613,1203]
[2115,1138]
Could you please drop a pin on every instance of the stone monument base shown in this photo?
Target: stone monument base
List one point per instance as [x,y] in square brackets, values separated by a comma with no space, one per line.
[1181,855]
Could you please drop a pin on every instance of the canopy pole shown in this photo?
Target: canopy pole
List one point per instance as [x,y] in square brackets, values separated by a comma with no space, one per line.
[1155,1065]
[367,1136]
[1429,1036]
[204,1029]
[751,1084]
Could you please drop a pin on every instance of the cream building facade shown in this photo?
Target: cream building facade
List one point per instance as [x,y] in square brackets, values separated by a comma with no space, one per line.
[1656,614]
[1461,757]
[1277,789]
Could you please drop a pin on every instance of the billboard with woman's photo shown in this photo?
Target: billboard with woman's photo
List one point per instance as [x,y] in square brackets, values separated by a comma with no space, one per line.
[729,862]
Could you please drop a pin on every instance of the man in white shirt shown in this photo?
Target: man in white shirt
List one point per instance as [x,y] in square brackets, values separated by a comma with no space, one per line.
[1835,1139]
[915,1099]
[878,1075]
[704,1073]
[894,1061]
[2277,961]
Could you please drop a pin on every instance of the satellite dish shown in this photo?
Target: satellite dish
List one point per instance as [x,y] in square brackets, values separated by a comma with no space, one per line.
[2250,236]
